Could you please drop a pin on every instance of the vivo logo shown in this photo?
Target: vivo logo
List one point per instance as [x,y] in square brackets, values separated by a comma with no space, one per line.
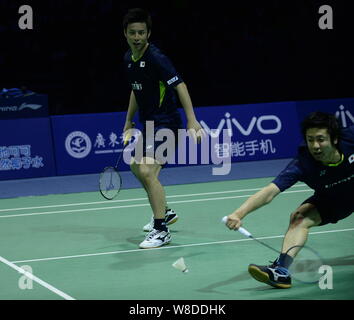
[343,115]
[273,125]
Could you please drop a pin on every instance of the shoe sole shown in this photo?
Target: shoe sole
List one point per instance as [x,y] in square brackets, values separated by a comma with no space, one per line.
[172,221]
[261,276]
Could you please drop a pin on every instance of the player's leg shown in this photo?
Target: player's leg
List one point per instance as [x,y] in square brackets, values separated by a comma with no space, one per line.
[301,220]
[147,172]
[277,274]
[142,174]
[136,173]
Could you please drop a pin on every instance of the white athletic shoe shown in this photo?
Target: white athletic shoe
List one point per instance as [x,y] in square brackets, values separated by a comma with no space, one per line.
[155,239]
[170,218]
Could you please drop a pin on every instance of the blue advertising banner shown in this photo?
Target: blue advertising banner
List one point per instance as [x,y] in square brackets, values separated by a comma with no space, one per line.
[35,105]
[342,108]
[254,131]
[87,143]
[26,149]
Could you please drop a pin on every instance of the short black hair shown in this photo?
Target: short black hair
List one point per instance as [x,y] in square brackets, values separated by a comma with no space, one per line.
[137,15]
[321,120]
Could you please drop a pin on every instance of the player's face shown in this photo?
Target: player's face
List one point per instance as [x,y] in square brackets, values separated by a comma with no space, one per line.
[137,36]
[320,145]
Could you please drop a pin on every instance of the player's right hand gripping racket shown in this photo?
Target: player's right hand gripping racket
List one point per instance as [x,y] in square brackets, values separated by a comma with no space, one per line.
[110,181]
[306,264]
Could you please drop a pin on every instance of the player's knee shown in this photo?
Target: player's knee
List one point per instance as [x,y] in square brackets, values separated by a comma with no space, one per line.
[304,219]
[296,218]
[144,172]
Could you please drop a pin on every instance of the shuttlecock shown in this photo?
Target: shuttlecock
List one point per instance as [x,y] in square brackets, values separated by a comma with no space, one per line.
[180,265]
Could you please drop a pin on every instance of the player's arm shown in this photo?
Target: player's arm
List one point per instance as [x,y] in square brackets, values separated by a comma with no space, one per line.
[132,108]
[186,102]
[257,200]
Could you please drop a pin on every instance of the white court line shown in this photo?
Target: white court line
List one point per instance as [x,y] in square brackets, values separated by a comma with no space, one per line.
[136,205]
[124,200]
[36,279]
[135,199]
[168,247]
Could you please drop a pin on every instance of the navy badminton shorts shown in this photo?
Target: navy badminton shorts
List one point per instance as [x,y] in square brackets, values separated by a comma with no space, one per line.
[330,210]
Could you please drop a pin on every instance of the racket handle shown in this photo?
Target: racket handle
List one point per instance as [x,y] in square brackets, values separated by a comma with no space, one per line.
[240,229]
[126,140]
[245,232]
[128,136]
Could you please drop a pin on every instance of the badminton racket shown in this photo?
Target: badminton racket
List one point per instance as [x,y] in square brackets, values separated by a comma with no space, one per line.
[306,264]
[110,181]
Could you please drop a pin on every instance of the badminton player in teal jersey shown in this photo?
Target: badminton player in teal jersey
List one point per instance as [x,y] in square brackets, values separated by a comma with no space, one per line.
[156,88]
[325,162]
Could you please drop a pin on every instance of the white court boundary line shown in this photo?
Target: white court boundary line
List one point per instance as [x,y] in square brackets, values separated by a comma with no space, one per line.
[169,247]
[36,279]
[137,205]
[137,199]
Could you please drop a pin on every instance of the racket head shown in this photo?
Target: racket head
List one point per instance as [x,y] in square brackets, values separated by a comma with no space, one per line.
[306,264]
[110,183]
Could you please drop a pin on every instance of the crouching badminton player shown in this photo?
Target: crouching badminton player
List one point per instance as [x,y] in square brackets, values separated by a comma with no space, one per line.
[325,162]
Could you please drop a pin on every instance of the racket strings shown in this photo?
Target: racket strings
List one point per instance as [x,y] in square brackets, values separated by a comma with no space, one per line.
[110,183]
[306,265]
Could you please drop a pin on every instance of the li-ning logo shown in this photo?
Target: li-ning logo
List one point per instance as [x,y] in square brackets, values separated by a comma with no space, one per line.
[246,131]
[78,144]
[343,115]
[21,107]
[29,106]
[142,64]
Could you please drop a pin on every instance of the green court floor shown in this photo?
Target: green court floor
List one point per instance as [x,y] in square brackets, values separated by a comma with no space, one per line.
[87,247]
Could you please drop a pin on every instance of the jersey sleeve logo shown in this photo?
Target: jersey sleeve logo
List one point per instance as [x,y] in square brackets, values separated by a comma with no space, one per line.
[174,79]
[142,64]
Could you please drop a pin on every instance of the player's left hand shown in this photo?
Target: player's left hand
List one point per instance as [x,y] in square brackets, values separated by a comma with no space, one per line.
[196,130]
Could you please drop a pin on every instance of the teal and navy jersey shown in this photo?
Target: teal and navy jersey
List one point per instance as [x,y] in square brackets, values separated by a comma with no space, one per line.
[331,181]
[153,78]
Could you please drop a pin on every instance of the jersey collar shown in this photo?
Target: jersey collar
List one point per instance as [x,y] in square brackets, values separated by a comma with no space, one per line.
[338,163]
[135,60]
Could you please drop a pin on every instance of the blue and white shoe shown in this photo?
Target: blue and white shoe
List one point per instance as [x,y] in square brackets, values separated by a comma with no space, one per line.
[274,275]
[156,239]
